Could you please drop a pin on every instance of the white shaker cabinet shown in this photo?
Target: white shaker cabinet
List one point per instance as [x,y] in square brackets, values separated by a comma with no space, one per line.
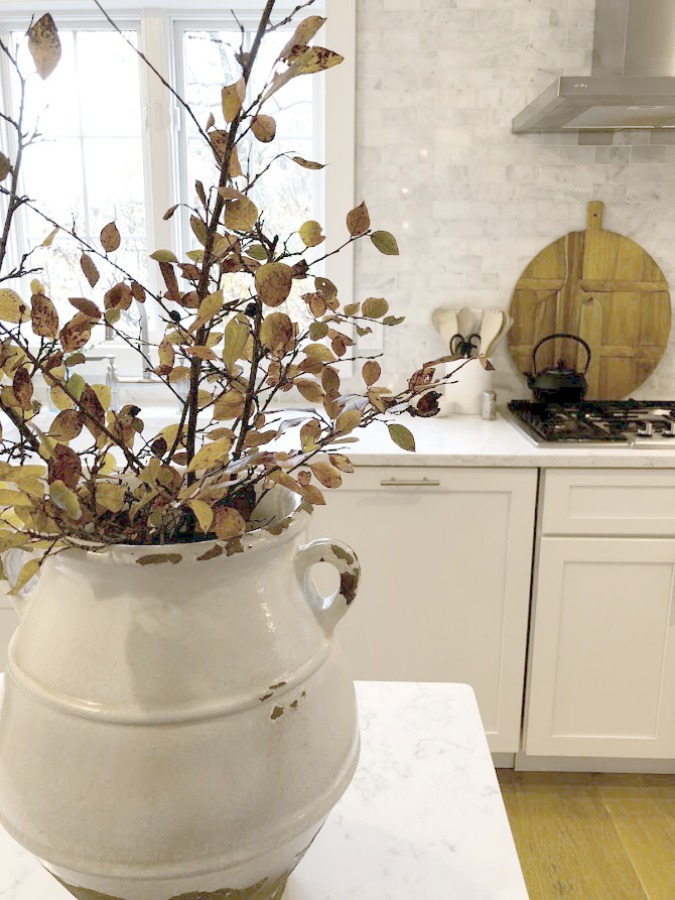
[601,680]
[446,556]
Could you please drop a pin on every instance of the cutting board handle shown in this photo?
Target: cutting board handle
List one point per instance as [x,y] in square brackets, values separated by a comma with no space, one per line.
[596,209]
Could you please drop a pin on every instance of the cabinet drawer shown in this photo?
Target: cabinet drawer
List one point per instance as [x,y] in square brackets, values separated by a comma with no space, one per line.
[618,501]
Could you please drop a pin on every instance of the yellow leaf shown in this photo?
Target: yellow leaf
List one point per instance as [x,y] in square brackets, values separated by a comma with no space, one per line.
[60,399]
[343,463]
[167,356]
[375,307]
[348,420]
[164,256]
[208,308]
[371,371]
[50,237]
[180,373]
[358,220]
[241,214]
[227,192]
[65,499]
[29,569]
[308,163]
[229,523]
[302,35]
[200,352]
[327,474]
[6,166]
[310,233]
[109,465]
[237,333]
[402,436]
[203,512]
[11,539]
[12,307]
[385,242]
[19,473]
[232,98]
[309,433]
[276,333]
[211,455]
[198,229]
[170,433]
[317,59]
[75,385]
[264,128]
[33,487]
[14,498]
[229,406]
[226,243]
[103,393]
[273,282]
[310,390]
[151,471]
[320,352]
[110,496]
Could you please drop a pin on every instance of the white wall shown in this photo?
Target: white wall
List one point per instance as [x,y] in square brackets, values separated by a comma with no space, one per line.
[438,82]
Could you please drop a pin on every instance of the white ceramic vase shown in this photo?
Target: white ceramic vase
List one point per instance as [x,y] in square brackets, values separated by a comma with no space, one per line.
[178,721]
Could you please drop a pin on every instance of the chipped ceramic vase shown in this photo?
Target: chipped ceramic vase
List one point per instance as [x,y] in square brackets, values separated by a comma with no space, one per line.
[178,722]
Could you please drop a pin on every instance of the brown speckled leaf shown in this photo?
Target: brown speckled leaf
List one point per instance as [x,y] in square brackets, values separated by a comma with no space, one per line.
[23,387]
[89,269]
[158,559]
[44,45]
[65,466]
[110,237]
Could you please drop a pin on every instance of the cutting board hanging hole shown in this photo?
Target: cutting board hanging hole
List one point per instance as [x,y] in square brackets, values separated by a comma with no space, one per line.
[596,209]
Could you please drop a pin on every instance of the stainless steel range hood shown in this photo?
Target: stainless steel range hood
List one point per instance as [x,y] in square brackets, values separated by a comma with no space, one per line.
[632,83]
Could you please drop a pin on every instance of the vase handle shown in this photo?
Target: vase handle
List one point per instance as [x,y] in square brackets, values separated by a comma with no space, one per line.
[329,610]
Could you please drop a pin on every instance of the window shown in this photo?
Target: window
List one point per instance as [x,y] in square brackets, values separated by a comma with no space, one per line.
[116,145]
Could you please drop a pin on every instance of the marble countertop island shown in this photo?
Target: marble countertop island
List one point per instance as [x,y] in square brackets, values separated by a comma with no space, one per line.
[423,817]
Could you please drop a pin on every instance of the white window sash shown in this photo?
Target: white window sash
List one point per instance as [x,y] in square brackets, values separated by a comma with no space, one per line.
[156,20]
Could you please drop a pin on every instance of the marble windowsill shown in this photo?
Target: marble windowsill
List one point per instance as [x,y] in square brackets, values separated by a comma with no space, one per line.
[423,817]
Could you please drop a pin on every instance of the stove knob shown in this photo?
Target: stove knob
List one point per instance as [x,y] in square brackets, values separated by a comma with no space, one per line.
[645,429]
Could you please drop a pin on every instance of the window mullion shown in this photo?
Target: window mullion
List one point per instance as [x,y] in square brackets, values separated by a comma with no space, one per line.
[157,146]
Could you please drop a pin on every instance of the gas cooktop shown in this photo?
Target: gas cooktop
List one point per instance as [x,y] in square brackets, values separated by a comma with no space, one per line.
[610,422]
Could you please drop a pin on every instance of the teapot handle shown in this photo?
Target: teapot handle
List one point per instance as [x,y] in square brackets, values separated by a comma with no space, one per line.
[328,610]
[561,334]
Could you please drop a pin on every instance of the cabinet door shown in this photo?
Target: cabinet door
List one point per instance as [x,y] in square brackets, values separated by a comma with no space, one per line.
[446,558]
[601,676]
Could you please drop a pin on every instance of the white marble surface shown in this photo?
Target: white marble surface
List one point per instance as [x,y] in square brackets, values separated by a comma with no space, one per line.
[423,817]
[465,440]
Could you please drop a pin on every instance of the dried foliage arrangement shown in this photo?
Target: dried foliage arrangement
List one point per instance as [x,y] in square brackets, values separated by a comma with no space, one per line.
[92,476]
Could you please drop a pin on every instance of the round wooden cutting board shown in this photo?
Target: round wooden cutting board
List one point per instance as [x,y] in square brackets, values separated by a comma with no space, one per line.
[604,288]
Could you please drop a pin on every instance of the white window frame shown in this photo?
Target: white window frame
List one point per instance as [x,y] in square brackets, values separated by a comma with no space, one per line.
[156,33]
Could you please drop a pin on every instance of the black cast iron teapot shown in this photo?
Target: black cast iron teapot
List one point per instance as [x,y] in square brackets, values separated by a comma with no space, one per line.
[558,384]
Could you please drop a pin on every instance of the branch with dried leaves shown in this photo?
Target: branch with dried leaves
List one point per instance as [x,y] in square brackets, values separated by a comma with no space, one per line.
[245,323]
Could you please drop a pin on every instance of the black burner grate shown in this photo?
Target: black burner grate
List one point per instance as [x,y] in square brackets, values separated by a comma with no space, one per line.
[618,421]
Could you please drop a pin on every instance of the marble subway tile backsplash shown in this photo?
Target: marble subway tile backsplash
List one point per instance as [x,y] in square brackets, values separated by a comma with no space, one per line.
[438,82]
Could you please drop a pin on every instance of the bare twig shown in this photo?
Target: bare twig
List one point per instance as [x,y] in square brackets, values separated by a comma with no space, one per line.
[174,93]
[290,16]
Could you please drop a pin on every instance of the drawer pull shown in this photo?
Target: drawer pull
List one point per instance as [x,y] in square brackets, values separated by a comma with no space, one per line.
[422,482]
